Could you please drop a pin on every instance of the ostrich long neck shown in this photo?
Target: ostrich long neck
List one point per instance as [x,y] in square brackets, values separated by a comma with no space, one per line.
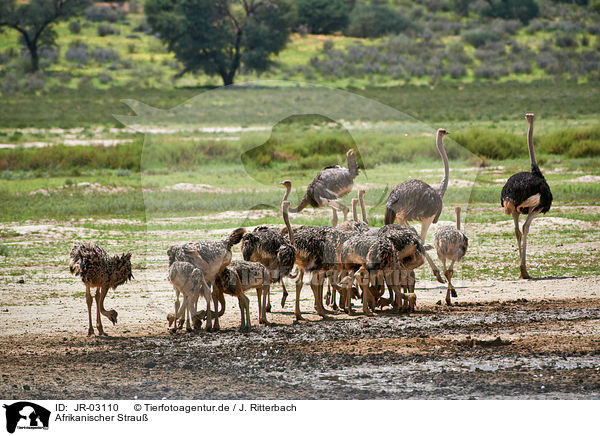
[444,184]
[458,218]
[363,209]
[288,189]
[354,209]
[534,164]
[284,211]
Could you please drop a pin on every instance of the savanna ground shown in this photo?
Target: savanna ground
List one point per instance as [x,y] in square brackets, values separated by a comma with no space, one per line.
[504,338]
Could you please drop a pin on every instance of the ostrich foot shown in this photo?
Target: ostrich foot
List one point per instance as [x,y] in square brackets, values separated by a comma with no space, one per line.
[268,308]
[91,331]
[438,276]
[453,292]
[524,274]
[448,301]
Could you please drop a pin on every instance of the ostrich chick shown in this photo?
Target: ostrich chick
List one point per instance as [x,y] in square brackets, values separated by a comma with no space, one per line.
[451,244]
[98,269]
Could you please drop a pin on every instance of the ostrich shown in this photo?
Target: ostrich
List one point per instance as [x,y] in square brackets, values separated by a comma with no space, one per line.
[270,248]
[526,193]
[236,279]
[188,280]
[211,257]
[315,253]
[451,244]
[365,255]
[356,224]
[326,189]
[415,200]
[410,254]
[103,272]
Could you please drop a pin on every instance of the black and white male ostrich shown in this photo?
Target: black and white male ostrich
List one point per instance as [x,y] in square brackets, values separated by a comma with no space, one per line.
[451,244]
[526,193]
[326,189]
[98,269]
[415,200]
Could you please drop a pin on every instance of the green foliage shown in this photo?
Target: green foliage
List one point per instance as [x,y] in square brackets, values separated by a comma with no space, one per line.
[479,37]
[34,21]
[574,143]
[524,10]
[323,16]
[375,20]
[218,38]
[492,144]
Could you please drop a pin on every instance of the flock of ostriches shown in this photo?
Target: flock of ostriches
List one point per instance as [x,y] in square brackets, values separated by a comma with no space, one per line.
[355,260]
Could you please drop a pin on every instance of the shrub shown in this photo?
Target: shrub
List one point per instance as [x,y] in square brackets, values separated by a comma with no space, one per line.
[492,144]
[103,13]
[75,27]
[103,55]
[78,52]
[565,41]
[376,20]
[104,78]
[105,29]
[457,70]
[34,83]
[488,71]
[10,84]
[479,37]
[523,10]
[521,67]
[323,16]
[49,54]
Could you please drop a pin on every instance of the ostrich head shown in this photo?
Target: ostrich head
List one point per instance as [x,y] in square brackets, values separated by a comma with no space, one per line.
[443,132]
[112,315]
[286,183]
[529,117]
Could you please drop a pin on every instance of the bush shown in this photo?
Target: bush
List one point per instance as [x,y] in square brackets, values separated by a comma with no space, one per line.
[104,78]
[521,67]
[565,41]
[487,71]
[34,83]
[479,37]
[523,10]
[78,52]
[376,20]
[103,13]
[103,55]
[105,29]
[75,27]
[491,144]
[457,70]
[323,16]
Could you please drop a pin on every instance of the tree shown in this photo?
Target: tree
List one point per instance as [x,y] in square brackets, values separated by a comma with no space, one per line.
[324,16]
[523,10]
[375,20]
[219,36]
[34,21]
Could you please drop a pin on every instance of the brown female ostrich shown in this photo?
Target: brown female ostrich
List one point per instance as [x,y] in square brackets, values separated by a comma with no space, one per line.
[415,200]
[188,280]
[315,253]
[269,247]
[526,193]
[451,244]
[236,279]
[98,269]
[327,187]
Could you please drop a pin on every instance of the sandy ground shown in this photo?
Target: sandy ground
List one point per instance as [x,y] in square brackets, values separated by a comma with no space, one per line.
[536,339]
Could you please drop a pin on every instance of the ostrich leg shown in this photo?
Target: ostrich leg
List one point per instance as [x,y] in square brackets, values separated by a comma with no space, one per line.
[316,283]
[517,231]
[530,217]
[298,289]
[89,299]
[285,294]
[98,319]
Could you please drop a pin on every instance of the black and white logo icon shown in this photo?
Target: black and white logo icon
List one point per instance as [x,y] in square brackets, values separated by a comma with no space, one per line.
[26,415]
